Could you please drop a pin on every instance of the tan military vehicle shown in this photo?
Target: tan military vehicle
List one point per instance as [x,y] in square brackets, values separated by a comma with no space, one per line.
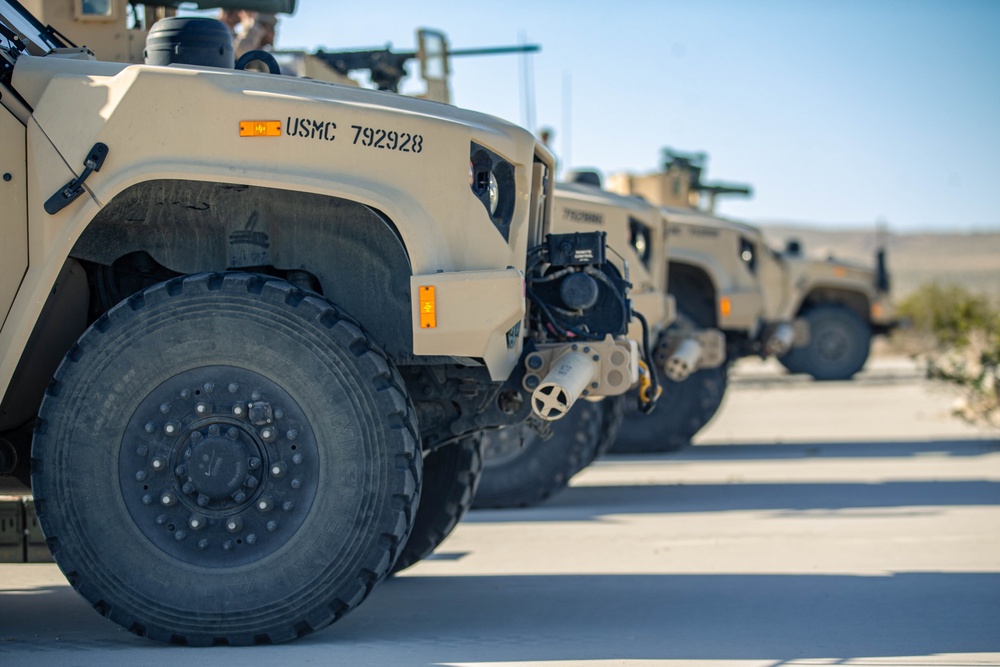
[238,310]
[521,467]
[815,316]
[839,305]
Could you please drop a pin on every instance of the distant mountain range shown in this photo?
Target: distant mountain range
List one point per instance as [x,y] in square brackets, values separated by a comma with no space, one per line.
[971,260]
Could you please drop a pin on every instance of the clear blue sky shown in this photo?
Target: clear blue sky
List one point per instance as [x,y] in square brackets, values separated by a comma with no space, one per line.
[838,113]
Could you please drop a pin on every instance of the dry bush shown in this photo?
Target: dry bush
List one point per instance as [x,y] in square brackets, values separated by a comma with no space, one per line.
[958,333]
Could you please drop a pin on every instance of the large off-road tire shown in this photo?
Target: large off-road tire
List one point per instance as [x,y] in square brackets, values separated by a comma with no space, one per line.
[838,347]
[683,409]
[225,459]
[612,418]
[451,477]
[521,475]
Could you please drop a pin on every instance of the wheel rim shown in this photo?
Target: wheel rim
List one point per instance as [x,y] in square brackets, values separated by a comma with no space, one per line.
[218,466]
[833,344]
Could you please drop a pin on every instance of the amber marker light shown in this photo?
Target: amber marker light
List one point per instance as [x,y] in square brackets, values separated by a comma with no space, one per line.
[839,271]
[428,308]
[260,128]
[876,311]
[725,306]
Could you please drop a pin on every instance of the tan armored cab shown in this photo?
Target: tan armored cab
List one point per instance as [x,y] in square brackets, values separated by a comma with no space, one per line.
[238,312]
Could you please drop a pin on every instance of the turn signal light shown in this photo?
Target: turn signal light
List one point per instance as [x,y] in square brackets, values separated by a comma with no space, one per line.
[428,308]
[260,128]
[725,306]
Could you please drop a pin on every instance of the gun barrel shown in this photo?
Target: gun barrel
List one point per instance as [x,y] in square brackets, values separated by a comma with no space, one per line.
[496,50]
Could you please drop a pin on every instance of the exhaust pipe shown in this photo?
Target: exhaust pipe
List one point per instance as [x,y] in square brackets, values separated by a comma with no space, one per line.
[684,360]
[781,339]
[565,383]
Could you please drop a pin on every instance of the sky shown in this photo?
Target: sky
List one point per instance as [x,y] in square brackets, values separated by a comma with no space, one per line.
[838,114]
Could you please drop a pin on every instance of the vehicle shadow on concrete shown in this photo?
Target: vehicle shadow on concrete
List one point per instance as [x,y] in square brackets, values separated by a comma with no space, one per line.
[685,617]
[958,447]
[429,620]
[592,503]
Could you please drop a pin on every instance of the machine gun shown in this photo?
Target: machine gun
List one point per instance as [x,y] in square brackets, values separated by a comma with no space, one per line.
[693,164]
[387,68]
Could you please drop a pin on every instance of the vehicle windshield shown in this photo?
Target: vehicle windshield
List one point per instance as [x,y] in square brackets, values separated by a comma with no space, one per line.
[37,39]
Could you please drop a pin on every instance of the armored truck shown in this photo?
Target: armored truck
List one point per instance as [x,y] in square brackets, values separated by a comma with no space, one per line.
[839,305]
[815,316]
[239,311]
[521,467]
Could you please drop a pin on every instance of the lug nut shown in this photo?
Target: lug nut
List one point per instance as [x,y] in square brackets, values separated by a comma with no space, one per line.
[239,496]
[196,437]
[296,483]
[251,538]
[196,522]
[234,524]
[170,428]
[233,387]
[238,410]
[268,434]
[180,535]
[213,429]
[202,544]
[264,504]
[202,409]
[209,387]
[162,519]
[142,450]
[227,545]
[185,394]
[150,427]
[188,488]
[140,476]
[255,396]
[158,463]
[278,469]
[292,434]
[296,458]
[165,408]
[203,500]
[232,433]
[272,526]
[181,470]
[287,506]
[250,482]
[168,499]
[147,499]
[278,413]
[254,463]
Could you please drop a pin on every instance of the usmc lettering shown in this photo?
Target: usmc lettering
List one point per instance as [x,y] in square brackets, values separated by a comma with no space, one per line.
[308,128]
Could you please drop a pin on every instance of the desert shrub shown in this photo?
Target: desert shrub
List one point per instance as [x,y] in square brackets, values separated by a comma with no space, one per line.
[964,331]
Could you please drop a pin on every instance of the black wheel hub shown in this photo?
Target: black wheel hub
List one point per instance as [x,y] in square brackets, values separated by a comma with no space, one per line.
[218,466]
[832,344]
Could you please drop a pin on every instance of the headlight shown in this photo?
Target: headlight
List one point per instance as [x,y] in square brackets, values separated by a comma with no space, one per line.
[493,190]
[491,179]
[639,236]
[748,254]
